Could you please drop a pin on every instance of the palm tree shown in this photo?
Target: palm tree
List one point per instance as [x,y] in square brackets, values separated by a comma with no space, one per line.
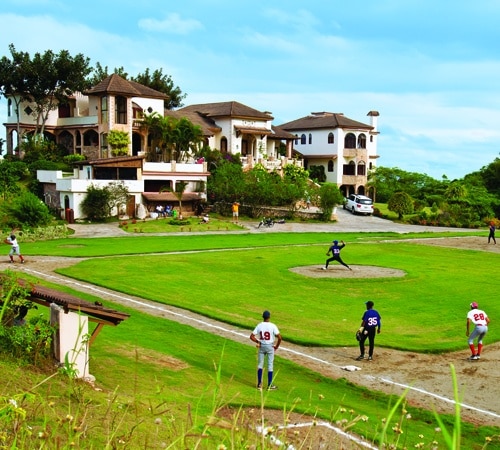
[180,187]
[186,138]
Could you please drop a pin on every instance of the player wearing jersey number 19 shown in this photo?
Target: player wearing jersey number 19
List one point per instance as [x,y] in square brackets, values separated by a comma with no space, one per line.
[370,324]
[268,338]
[480,321]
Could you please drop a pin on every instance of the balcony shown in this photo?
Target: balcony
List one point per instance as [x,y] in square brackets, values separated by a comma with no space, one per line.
[271,164]
[359,153]
[354,180]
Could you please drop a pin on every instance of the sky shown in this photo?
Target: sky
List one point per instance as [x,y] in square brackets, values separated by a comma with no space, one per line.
[431,68]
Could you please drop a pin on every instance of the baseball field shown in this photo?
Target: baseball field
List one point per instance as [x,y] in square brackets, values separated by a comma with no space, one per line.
[220,284]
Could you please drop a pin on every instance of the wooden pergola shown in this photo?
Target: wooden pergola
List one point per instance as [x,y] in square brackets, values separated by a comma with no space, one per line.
[95,311]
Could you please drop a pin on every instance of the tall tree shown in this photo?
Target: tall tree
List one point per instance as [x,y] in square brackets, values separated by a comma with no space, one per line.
[163,83]
[100,72]
[13,81]
[46,80]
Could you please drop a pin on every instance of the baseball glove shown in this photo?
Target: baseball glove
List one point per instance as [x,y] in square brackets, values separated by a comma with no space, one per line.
[358,335]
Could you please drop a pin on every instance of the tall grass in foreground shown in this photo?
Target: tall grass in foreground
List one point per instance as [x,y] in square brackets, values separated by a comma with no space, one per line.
[61,412]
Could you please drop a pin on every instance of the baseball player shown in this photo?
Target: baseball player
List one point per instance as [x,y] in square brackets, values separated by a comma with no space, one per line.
[335,251]
[15,250]
[370,324]
[480,320]
[268,338]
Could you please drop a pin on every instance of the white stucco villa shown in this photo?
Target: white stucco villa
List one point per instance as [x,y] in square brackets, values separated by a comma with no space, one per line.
[344,148]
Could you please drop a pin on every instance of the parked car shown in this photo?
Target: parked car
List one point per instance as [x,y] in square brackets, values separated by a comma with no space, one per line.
[359,204]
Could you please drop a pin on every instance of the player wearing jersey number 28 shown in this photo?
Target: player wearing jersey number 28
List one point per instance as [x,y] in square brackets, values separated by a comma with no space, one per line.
[268,338]
[480,320]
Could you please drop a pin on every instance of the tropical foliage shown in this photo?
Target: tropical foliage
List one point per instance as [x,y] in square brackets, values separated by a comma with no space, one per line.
[171,139]
[46,80]
[118,141]
[468,202]
[256,188]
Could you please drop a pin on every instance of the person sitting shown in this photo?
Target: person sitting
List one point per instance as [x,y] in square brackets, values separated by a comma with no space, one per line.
[205,219]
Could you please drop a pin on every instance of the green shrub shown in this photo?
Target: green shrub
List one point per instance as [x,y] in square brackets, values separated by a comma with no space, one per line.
[179,222]
[26,210]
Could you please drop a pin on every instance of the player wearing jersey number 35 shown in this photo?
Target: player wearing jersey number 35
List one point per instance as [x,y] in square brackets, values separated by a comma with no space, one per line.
[480,320]
[370,324]
[268,338]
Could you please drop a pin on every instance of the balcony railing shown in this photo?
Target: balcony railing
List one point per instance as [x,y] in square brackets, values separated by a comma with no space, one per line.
[271,164]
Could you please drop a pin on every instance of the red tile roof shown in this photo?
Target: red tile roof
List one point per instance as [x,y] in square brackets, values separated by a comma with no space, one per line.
[115,84]
[324,120]
[228,109]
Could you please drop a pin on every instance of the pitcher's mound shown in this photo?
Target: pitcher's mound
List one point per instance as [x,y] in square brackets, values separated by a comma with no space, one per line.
[342,272]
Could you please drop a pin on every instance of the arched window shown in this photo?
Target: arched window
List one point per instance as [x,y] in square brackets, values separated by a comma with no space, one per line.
[362,168]
[296,140]
[331,138]
[350,141]
[121,110]
[303,139]
[9,107]
[90,138]
[362,141]
[330,166]
[223,144]
[350,169]
[310,138]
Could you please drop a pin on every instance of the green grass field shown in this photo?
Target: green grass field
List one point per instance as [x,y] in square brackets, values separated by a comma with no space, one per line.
[153,361]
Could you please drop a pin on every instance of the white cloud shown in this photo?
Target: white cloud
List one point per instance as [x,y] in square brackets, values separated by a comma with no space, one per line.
[173,24]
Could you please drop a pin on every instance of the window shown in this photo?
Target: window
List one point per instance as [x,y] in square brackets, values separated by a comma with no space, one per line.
[64,110]
[121,110]
[223,145]
[362,168]
[104,109]
[296,140]
[350,169]
[9,107]
[362,141]
[90,139]
[350,141]
[310,138]
[330,166]
[331,138]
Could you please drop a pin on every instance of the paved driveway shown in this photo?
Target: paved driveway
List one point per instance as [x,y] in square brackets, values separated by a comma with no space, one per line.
[346,222]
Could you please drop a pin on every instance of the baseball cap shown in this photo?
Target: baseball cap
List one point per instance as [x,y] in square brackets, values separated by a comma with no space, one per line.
[473,305]
[266,314]
[369,303]
[335,242]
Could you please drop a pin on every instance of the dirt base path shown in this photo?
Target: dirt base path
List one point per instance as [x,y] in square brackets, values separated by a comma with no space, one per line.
[427,377]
